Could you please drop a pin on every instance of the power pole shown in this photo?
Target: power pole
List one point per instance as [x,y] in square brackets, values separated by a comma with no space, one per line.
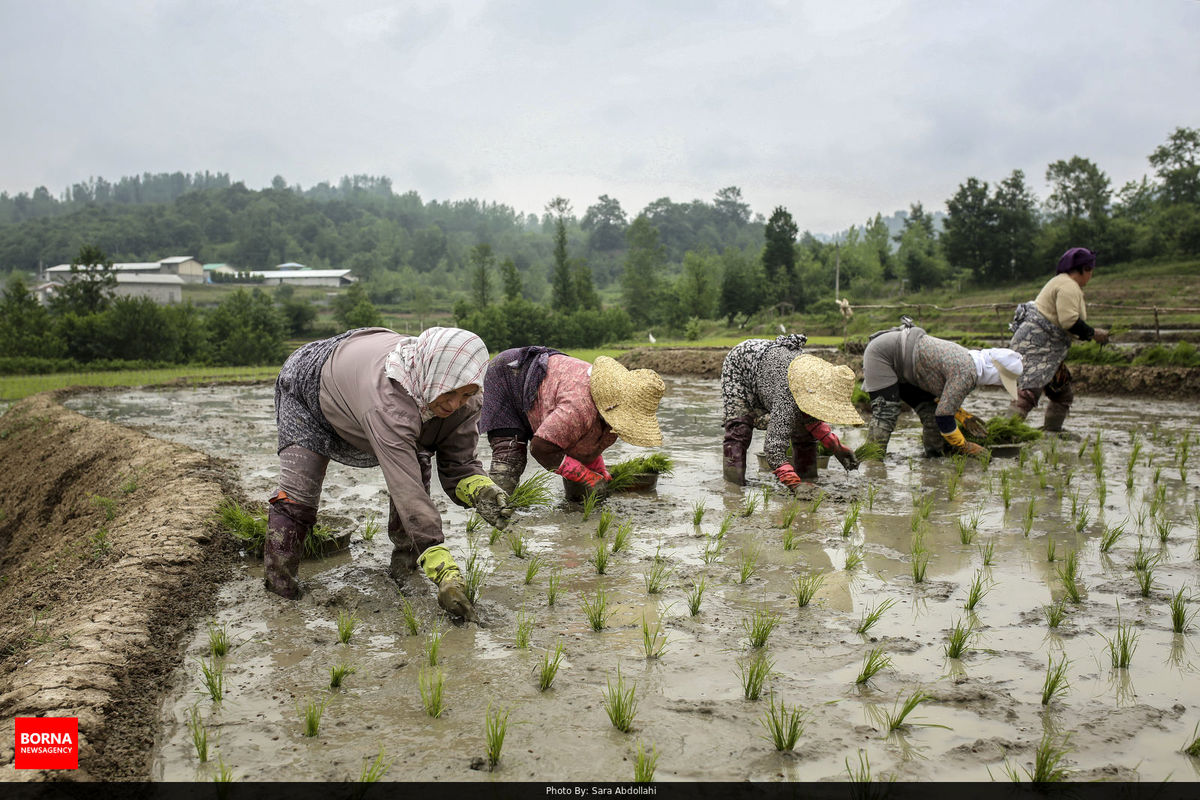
[837,269]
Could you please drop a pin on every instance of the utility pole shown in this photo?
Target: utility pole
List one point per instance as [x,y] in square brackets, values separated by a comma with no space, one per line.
[837,269]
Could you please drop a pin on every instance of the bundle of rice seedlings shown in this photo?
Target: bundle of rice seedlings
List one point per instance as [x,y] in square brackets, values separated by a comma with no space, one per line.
[869,451]
[1007,430]
[532,492]
[624,473]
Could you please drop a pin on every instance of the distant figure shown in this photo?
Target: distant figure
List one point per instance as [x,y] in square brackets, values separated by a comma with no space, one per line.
[782,329]
[650,336]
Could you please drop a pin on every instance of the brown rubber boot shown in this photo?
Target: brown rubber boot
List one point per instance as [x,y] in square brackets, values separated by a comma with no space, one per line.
[931,434]
[1056,415]
[404,554]
[508,461]
[288,525]
[1025,402]
[738,433]
[884,414]
[804,459]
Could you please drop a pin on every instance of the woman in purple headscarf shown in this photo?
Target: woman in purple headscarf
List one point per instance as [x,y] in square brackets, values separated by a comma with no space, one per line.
[1042,333]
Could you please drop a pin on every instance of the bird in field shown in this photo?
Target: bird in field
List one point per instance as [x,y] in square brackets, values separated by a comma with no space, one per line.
[650,336]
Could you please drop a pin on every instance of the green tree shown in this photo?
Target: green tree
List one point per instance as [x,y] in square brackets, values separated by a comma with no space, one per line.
[742,290]
[89,288]
[482,261]
[1016,222]
[25,328]
[246,329]
[642,278]
[605,224]
[561,282]
[1177,165]
[920,262]
[1079,191]
[511,279]
[298,313]
[353,309]
[585,288]
[779,256]
[730,207]
[138,329]
[698,287]
[970,229]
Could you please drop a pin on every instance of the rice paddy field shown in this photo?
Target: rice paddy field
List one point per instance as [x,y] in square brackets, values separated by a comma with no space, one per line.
[1032,617]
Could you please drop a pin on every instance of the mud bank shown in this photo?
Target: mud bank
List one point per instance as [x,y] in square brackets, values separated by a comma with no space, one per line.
[1166,383]
[106,560]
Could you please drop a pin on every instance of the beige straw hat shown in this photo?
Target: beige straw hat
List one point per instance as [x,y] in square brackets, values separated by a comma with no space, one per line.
[823,390]
[628,400]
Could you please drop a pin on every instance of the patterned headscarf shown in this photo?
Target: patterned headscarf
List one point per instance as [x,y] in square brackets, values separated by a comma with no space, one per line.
[436,362]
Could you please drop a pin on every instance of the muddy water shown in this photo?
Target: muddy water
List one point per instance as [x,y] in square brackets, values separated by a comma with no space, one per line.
[984,708]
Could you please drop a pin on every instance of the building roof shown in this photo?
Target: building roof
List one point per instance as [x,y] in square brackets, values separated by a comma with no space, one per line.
[301,273]
[132,266]
[219,266]
[135,279]
[177,259]
[292,265]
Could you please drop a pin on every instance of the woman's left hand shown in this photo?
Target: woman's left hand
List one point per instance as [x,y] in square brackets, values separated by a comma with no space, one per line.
[492,504]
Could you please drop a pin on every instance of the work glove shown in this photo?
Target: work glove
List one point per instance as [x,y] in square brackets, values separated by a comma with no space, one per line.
[788,477]
[971,424]
[822,433]
[488,499]
[572,470]
[597,466]
[1100,335]
[961,446]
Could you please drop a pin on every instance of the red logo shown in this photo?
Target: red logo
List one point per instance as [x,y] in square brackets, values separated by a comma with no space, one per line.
[47,743]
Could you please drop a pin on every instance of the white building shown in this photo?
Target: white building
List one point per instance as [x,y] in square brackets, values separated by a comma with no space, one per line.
[188,269]
[162,289]
[305,277]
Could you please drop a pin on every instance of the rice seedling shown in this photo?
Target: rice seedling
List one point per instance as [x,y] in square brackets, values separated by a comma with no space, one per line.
[1144,559]
[248,528]
[1123,643]
[1022,457]
[338,673]
[711,551]
[552,586]
[959,640]
[789,539]
[626,472]
[871,615]
[919,565]
[748,563]
[654,638]
[604,522]
[987,552]
[900,711]
[872,493]
[1055,613]
[195,726]
[851,519]
[495,726]
[724,527]
[1056,679]
[433,645]
[622,537]
[409,615]
[860,775]
[874,662]
[219,644]
[212,675]
[784,725]
[1027,521]
[967,529]
[590,500]
[310,715]
[1162,527]
[1110,536]
[1068,575]
[789,515]
[644,764]
[915,521]
[600,557]
[318,538]
[551,661]
[753,673]
[533,492]
[371,527]
[347,622]
[1135,451]
[749,505]
[620,703]
[657,576]
[1047,761]
[698,510]
[854,558]
[432,685]
[759,625]
[1051,548]
[1157,474]
[924,505]
[805,587]
[870,451]
[1005,489]
[517,544]
[766,498]
[815,503]
[1140,517]
[1083,519]
[223,773]
[494,536]
[1083,446]
[1193,749]
[533,567]
[952,481]
[695,596]
[474,522]
[373,772]
[976,592]
[524,629]
[1181,620]
[598,611]
[1145,579]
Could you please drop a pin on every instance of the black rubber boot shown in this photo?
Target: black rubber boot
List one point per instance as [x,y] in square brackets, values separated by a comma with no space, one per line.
[804,459]
[288,525]
[1056,415]
[738,433]
[931,434]
[508,461]
[884,414]
[404,552]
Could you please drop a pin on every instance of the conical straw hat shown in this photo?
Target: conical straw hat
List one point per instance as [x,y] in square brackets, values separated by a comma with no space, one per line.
[628,400]
[823,391]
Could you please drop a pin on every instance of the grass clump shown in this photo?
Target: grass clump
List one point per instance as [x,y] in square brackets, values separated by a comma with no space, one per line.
[622,537]
[533,492]
[600,557]
[753,673]
[695,596]
[517,544]
[784,725]
[590,500]
[900,711]
[524,630]
[1056,679]
[805,587]
[551,661]
[432,684]
[247,527]
[869,451]
[310,716]
[597,610]
[533,567]
[872,615]
[1055,613]
[1110,536]
[495,726]
[219,643]
[759,625]
[1122,644]
[851,519]
[338,673]
[347,623]
[644,764]
[373,771]
[604,522]
[976,592]
[433,645]
[212,675]
[748,564]
[874,662]
[657,576]
[1181,620]
[1047,762]
[199,733]
[620,703]
[654,638]
[409,615]
[748,506]
[959,640]
[1193,749]
[698,510]
[789,515]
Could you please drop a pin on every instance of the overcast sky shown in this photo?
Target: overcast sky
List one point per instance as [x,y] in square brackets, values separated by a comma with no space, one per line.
[835,110]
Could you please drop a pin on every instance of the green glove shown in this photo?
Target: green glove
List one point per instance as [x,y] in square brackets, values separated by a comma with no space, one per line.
[488,499]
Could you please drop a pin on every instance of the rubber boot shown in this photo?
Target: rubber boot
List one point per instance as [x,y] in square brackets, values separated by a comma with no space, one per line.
[288,525]
[884,414]
[1056,415]
[440,568]
[508,461]
[804,459]
[404,552]
[931,435]
[738,433]
[1025,402]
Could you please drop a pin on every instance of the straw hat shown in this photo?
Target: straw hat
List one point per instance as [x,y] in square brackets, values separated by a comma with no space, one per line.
[628,400]
[823,390]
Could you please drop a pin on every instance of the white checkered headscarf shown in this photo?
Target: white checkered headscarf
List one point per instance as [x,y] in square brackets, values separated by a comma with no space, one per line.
[436,362]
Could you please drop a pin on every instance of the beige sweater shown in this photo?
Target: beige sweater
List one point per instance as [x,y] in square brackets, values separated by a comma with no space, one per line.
[1061,301]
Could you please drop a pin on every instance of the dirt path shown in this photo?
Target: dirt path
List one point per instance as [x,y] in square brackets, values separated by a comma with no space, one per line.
[106,560]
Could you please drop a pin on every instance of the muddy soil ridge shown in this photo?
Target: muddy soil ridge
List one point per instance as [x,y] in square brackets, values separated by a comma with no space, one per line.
[106,559]
[1163,383]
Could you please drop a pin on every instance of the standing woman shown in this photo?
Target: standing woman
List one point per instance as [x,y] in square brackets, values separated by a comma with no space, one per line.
[373,397]
[1042,335]
[567,412]
[772,385]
